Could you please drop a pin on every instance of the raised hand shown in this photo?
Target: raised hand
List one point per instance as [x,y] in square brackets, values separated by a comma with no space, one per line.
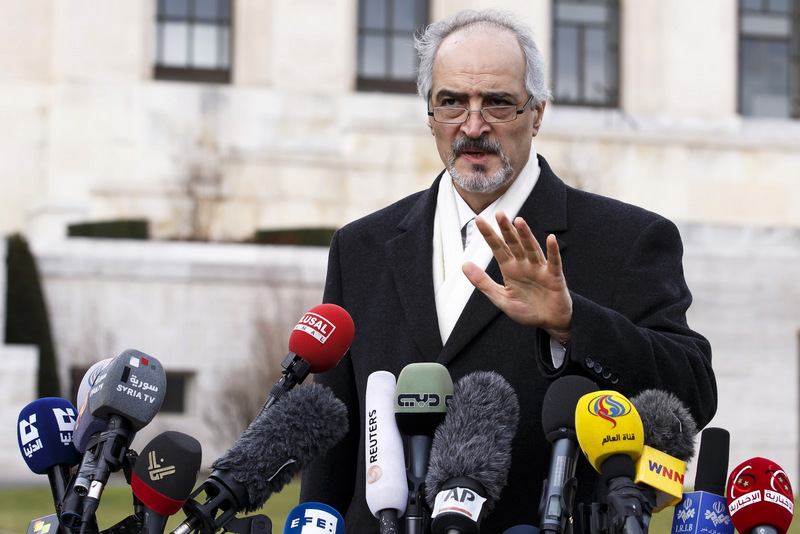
[535,291]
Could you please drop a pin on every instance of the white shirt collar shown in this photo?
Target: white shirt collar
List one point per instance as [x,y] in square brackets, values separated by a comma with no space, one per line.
[465,213]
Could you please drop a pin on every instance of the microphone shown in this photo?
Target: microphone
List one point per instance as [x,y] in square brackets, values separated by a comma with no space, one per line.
[313,518]
[132,387]
[712,462]
[558,423]
[611,435]
[471,453]
[87,424]
[669,431]
[316,344]
[424,391]
[45,436]
[164,476]
[705,509]
[668,423]
[277,445]
[760,497]
[127,394]
[386,486]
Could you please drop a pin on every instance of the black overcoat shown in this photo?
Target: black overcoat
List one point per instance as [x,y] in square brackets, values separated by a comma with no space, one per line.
[623,267]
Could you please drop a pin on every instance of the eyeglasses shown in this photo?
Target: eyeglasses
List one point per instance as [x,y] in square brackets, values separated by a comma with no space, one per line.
[493,114]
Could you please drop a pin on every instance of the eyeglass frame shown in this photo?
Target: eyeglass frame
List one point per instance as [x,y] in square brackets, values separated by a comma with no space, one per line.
[520,111]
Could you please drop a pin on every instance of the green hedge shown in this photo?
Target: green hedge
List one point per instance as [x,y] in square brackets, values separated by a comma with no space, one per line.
[139,229]
[312,237]
[117,229]
[27,321]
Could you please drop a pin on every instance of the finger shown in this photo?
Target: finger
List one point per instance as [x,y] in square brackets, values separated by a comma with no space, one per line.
[499,248]
[510,235]
[482,281]
[553,255]
[529,242]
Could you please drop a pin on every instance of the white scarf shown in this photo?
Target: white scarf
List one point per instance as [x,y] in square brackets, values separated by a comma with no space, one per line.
[451,288]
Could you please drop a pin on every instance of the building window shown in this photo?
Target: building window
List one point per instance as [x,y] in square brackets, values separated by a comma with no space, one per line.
[768,58]
[586,52]
[193,40]
[177,391]
[387,60]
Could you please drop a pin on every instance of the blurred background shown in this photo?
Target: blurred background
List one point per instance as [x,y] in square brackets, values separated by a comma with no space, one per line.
[171,172]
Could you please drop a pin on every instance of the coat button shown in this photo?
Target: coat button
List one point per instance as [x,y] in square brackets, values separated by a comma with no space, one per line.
[598,368]
[589,362]
[614,378]
[607,373]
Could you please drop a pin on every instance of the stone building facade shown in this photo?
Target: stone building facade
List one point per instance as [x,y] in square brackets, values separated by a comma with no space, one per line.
[293,140]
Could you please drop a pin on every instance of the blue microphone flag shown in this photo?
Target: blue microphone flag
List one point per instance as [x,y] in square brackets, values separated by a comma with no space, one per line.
[314,518]
[702,512]
[44,434]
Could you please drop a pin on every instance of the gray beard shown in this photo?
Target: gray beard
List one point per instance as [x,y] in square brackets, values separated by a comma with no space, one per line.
[478,181]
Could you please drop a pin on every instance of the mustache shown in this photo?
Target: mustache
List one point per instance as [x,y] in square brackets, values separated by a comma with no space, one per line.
[464,144]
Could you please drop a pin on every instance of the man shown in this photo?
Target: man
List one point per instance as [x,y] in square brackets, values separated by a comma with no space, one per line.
[567,282]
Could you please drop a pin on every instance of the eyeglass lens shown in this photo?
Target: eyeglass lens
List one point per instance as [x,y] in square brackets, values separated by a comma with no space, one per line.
[490,114]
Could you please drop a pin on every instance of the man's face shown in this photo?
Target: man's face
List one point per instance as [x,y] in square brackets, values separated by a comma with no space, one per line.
[473,68]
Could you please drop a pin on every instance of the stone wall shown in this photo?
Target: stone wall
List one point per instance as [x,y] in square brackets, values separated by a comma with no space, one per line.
[747,303]
[290,142]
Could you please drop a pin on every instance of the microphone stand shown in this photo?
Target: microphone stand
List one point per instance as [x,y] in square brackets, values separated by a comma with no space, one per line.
[59,484]
[388,521]
[253,524]
[295,370]
[419,453]
[628,505]
[594,518]
[58,478]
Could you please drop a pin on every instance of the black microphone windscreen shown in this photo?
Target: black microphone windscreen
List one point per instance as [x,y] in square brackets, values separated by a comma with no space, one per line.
[303,424]
[558,408]
[712,461]
[668,424]
[474,440]
[166,471]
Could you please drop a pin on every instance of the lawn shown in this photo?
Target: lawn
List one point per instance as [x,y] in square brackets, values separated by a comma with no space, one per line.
[18,506]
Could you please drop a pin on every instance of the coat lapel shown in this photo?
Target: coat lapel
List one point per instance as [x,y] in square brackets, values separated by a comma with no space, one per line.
[411,261]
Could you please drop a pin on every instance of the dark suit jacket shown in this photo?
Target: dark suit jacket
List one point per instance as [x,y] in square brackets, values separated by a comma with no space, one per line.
[623,266]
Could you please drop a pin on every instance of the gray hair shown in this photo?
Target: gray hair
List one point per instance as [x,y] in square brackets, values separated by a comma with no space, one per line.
[427,44]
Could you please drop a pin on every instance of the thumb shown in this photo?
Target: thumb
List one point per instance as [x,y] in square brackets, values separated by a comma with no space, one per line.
[479,278]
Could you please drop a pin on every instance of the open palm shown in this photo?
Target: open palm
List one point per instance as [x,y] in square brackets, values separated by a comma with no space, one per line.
[535,292]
